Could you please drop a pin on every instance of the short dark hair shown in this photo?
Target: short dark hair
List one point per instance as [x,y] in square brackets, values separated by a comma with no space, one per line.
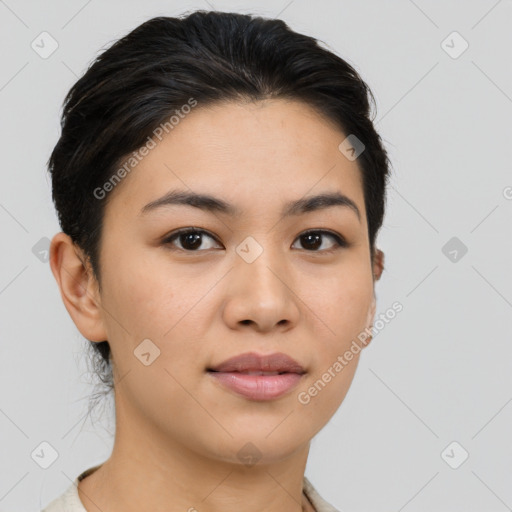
[141,79]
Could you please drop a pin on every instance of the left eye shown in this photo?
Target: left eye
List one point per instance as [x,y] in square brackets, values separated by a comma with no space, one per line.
[191,240]
[313,239]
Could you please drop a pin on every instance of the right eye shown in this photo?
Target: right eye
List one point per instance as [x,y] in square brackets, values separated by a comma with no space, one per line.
[190,239]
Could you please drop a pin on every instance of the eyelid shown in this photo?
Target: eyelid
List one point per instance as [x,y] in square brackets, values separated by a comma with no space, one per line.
[190,229]
[341,242]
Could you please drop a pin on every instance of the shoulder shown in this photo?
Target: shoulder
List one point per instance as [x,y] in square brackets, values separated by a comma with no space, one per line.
[318,502]
[69,501]
[66,502]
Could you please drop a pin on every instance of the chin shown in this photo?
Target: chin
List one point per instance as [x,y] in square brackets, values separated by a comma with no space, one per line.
[260,445]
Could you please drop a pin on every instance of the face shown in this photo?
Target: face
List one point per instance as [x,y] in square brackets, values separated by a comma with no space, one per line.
[262,280]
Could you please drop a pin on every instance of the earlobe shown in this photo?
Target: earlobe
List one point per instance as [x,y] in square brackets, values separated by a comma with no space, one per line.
[78,287]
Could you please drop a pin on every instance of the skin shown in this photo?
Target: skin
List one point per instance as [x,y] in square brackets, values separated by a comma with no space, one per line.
[178,431]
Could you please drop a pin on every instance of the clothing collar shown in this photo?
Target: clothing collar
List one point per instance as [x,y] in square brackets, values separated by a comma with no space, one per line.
[70,501]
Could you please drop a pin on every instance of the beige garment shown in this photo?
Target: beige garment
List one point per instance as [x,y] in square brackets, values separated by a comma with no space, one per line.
[69,501]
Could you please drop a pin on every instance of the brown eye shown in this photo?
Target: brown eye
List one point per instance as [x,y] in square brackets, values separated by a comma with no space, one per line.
[189,239]
[196,240]
[313,240]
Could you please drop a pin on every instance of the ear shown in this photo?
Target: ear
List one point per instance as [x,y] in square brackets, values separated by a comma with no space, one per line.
[378,264]
[377,268]
[78,287]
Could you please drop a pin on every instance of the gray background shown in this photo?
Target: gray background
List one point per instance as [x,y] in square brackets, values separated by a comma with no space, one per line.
[439,372]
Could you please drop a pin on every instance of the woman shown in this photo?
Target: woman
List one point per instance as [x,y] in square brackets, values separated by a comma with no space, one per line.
[220,186]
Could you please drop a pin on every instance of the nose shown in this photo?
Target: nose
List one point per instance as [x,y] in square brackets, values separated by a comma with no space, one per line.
[261,295]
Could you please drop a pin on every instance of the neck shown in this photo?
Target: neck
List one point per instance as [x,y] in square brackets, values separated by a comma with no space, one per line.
[149,470]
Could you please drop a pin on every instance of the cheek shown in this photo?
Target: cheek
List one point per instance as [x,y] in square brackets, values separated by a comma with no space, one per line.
[325,390]
[343,308]
[145,302]
[339,304]
[146,297]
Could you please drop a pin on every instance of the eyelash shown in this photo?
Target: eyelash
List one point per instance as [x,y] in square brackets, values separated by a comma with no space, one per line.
[340,242]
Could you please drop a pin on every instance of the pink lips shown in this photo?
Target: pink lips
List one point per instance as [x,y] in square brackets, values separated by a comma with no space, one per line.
[256,377]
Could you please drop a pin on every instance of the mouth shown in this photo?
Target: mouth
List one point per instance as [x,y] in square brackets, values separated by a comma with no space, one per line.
[257,386]
[256,372]
[258,377]
[252,362]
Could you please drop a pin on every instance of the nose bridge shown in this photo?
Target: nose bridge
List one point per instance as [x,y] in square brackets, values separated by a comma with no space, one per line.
[261,263]
[260,293]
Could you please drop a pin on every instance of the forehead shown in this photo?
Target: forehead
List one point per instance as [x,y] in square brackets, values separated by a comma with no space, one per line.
[255,153]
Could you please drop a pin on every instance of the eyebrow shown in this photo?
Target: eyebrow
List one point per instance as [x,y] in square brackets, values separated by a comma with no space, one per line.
[214,204]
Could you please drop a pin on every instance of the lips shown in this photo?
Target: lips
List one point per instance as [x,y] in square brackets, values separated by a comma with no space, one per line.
[251,363]
[258,377]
